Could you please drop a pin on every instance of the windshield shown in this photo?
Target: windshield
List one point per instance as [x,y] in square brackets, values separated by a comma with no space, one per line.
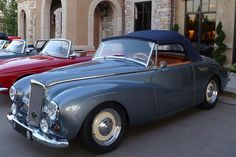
[16,46]
[131,49]
[57,48]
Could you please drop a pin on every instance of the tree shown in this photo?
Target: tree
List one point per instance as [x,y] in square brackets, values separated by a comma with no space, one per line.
[8,16]
[218,54]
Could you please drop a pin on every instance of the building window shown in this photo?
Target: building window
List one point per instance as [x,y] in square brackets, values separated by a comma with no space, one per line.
[200,25]
[142,12]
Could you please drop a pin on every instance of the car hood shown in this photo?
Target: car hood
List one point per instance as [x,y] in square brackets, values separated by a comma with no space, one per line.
[88,70]
[23,63]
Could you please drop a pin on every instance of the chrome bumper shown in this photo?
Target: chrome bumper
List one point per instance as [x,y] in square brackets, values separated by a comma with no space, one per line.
[3,89]
[37,135]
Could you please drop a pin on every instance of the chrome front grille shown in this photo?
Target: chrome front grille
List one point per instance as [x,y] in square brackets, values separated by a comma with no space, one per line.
[37,97]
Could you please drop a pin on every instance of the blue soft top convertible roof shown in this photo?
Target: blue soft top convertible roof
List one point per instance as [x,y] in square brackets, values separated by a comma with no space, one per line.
[163,37]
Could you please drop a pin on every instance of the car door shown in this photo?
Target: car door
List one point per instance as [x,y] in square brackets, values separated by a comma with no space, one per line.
[174,88]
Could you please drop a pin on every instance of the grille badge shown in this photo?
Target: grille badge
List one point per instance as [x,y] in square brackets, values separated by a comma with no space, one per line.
[34,114]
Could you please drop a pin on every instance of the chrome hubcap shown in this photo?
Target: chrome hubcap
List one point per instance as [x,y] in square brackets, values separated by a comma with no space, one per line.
[106,127]
[211,92]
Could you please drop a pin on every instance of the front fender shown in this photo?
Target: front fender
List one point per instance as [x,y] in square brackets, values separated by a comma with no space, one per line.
[76,103]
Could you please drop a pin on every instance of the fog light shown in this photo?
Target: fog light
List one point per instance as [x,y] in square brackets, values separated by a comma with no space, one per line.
[13,109]
[44,126]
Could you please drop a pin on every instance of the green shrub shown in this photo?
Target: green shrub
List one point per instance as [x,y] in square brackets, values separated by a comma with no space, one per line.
[219,53]
[232,68]
[175,28]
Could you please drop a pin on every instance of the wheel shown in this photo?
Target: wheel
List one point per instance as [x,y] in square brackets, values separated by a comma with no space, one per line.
[211,94]
[104,128]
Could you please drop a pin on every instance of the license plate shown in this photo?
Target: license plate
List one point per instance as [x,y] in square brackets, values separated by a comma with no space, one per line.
[23,131]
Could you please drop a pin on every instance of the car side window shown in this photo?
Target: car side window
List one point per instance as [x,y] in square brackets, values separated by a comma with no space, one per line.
[170,54]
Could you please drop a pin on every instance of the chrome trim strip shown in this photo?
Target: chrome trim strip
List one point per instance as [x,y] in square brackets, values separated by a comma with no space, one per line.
[39,137]
[3,89]
[4,42]
[25,47]
[97,76]
[150,55]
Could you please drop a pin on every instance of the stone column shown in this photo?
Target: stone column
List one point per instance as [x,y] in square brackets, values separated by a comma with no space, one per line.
[161,16]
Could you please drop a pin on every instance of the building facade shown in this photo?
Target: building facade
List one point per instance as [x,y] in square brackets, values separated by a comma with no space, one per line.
[86,22]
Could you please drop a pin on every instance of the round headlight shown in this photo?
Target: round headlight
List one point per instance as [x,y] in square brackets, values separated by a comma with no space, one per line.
[44,126]
[13,109]
[13,93]
[52,110]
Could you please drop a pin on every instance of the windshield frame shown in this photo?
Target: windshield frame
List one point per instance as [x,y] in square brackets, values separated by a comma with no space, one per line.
[126,58]
[4,42]
[24,46]
[65,40]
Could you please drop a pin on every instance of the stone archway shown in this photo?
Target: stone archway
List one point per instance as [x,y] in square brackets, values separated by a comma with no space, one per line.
[115,13]
[23,25]
[48,27]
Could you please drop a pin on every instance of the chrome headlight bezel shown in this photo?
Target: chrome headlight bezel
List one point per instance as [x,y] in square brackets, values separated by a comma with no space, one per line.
[52,110]
[44,126]
[13,93]
[13,109]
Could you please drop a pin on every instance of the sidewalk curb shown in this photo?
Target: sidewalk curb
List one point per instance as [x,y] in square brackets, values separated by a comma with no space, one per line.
[229,94]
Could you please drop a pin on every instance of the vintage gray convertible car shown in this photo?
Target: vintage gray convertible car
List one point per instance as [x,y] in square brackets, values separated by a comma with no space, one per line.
[132,79]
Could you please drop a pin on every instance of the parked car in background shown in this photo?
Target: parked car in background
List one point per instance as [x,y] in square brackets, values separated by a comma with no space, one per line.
[3,36]
[12,37]
[19,48]
[56,53]
[132,79]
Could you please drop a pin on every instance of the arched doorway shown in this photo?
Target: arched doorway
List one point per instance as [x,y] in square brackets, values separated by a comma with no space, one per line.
[103,25]
[23,25]
[105,20]
[53,19]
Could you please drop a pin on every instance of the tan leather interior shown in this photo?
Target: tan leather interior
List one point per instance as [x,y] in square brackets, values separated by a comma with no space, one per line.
[86,53]
[171,59]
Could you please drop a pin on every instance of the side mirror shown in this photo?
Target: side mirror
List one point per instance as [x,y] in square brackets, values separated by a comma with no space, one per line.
[27,51]
[163,64]
[74,55]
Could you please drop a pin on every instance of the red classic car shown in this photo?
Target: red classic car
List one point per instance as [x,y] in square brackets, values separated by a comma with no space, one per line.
[56,53]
